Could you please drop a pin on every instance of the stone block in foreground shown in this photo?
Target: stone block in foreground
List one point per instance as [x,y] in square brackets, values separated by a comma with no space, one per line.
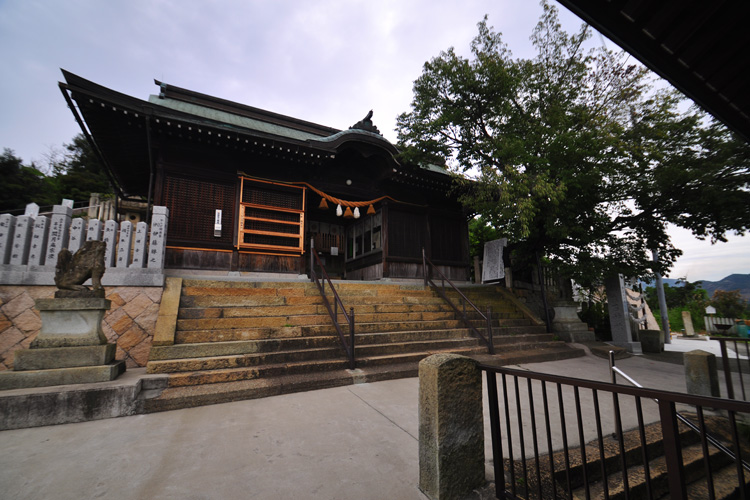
[451,428]
[701,376]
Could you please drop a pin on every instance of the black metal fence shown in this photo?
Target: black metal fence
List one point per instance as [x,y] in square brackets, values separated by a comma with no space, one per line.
[320,282]
[560,437]
[429,270]
[738,362]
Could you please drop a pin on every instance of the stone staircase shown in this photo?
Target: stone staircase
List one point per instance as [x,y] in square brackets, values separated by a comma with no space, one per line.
[241,340]
[724,471]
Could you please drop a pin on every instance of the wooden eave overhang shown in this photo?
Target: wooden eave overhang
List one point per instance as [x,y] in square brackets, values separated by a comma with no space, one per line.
[701,47]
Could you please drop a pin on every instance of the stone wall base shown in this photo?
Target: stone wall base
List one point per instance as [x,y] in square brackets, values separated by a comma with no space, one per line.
[129,324]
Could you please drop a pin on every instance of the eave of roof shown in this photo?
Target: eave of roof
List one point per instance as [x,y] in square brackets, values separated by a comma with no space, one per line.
[188,118]
[700,47]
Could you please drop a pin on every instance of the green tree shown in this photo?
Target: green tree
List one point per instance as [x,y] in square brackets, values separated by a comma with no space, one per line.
[480,232]
[79,172]
[686,296]
[20,184]
[573,153]
[729,304]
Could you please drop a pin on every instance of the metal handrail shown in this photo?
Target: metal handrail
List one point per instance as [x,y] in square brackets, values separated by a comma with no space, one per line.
[615,370]
[488,317]
[333,312]
[725,362]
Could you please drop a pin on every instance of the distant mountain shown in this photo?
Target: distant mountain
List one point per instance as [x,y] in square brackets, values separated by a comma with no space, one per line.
[732,282]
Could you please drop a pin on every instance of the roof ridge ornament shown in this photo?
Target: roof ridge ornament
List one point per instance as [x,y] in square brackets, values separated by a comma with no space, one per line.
[366,124]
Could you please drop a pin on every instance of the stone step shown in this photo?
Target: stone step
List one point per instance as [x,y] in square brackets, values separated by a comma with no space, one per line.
[693,468]
[372,370]
[350,285]
[534,353]
[725,482]
[276,344]
[292,318]
[284,310]
[500,328]
[316,299]
[191,396]
[298,289]
[260,360]
[294,367]
[211,336]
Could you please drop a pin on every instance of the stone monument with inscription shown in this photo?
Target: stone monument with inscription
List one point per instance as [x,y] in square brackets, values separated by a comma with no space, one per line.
[619,315]
[493,267]
[71,347]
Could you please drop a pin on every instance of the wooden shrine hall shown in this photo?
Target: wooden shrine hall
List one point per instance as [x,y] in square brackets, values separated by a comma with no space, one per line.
[248,189]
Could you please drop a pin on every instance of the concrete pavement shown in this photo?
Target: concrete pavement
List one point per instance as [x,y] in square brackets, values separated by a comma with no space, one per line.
[348,442]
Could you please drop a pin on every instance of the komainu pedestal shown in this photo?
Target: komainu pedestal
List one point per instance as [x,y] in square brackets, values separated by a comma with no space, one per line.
[71,347]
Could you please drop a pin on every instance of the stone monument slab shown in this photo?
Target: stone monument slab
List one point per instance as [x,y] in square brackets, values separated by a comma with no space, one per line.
[493,268]
[687,322]
[619,315]
[38,242]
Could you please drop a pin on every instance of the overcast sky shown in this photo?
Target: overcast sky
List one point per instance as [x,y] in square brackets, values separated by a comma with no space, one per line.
[326,61]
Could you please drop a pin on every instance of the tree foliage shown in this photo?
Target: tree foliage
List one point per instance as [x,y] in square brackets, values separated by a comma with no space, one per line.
[729,304]
[73,174]
[574,154]
[21,184]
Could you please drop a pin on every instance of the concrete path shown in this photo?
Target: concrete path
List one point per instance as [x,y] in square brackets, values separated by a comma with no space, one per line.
[349,442]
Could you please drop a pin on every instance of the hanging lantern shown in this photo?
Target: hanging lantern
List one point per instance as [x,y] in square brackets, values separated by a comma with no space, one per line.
[323,204]
[348,213]
[370,210]
[339,212]
[356,212]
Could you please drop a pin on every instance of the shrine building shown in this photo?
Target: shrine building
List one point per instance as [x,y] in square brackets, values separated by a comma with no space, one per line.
[248,190]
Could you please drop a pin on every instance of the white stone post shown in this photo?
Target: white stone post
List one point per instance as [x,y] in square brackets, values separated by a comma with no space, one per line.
[124,244]
[7,227]
[139,249]
[94,231]
[38,241]
[110,238]
[93,205]
[58,232]
[19,255]
[157,246]
[32,210]
[77,234]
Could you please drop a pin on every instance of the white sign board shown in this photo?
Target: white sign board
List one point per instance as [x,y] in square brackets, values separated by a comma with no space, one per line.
[217,224]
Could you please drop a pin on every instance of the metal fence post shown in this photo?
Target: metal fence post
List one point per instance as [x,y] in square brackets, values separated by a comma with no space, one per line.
[312,260]
[352,362]
[672,450]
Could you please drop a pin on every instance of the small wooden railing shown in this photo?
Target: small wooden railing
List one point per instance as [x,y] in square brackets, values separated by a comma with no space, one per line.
[320,282]
[428,268]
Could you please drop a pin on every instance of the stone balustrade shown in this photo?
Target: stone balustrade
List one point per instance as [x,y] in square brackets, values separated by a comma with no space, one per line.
[29,246]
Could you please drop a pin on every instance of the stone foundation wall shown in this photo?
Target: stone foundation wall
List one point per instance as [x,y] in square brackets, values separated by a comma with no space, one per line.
[130,323]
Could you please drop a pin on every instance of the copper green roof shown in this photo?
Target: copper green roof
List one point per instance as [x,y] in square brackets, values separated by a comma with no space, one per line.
[232,119]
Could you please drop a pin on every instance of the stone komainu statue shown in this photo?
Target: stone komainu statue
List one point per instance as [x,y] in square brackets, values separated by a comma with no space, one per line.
[73,270]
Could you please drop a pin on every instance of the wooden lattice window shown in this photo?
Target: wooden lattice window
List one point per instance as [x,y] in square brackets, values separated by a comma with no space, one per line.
[192,204]
[272,217]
